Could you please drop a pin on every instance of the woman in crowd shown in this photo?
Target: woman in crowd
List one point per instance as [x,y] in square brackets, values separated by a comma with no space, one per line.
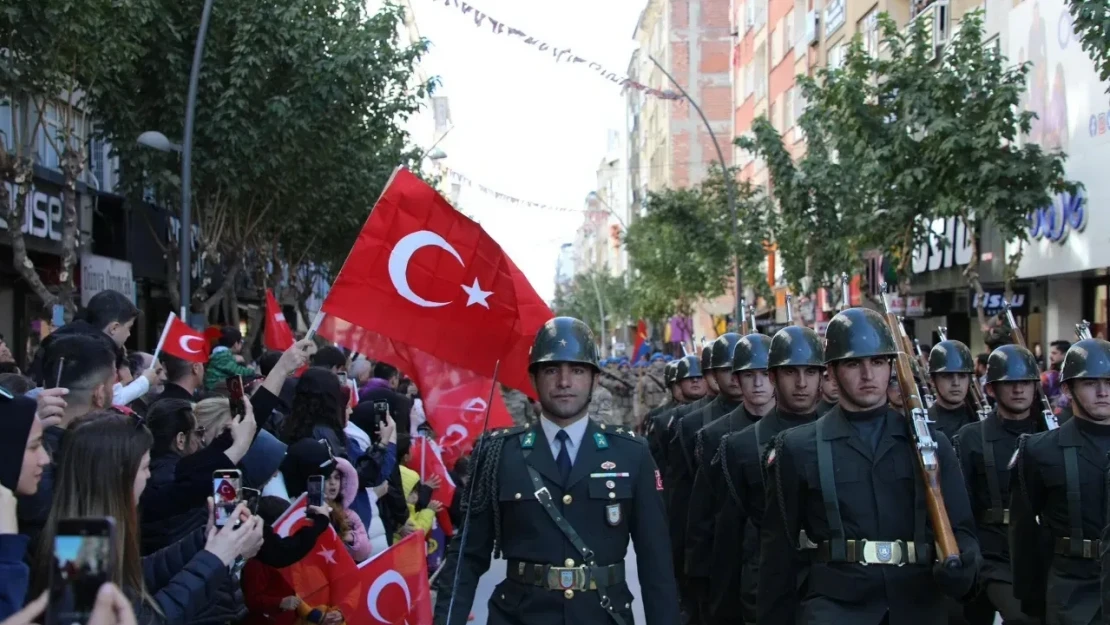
[381,504]
[339,492]
[22,460]
[104,469]
[318,411]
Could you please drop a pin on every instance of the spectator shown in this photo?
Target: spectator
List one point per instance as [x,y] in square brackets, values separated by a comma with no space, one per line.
[981,370]
[1051,384]
[360,371]
[16,383]
[103,472]
[331,358]
[382,387]
[318,411]
[339,492]
[108,313]
[22,462]
[6,353]
[222,364]
[183,378]
[1056,352]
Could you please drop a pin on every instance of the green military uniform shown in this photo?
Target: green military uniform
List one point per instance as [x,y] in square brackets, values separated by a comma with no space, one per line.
[518,405]
[651,390]
[1058,497]
[601,407]
[620,382]
[564,532]
[952,357]
[852,481]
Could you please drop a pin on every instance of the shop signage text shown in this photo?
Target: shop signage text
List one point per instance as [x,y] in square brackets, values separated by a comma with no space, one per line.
[993,301]
[43,215]
[1066,213]
[955,250]
[100,273]
[915,305]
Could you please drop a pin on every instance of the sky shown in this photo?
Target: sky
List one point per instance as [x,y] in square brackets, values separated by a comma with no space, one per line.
[525,125]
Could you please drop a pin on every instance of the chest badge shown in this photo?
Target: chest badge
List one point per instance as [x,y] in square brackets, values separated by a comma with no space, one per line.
[608,466]
[613,514]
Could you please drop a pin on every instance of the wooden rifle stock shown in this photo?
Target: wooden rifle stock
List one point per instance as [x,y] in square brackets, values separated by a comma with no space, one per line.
[1047,414]
[927,459]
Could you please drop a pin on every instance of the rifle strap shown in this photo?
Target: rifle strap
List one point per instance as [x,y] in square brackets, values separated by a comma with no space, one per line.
[992,473]
[838,548]
[1075,511]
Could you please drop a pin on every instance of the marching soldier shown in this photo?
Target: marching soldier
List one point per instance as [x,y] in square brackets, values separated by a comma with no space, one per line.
[1058,492]
[559,501]
[601,407]
[796,362]
[650,390]
[829,394]
[951,366]
[852,481]
[655,429]
[621,383]
[984,449]
[518,405]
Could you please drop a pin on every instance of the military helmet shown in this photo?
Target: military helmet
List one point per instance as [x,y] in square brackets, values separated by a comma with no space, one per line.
[795,346]
[951,357]
[688,367]
[564,339]
[751,352]
[1089,358]
[657,356]
[722,351]
[1012,363]
[858,333]
[706,356]
[670,371]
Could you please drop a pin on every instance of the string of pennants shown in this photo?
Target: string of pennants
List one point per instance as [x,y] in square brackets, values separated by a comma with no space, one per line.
[561,55]
[463,179]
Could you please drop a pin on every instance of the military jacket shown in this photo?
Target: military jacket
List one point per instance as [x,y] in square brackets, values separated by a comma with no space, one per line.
[611,496]
[950,421]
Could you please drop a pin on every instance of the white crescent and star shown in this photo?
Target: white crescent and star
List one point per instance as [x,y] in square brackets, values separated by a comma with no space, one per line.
[185,340]
[327,554]
[399,260]
[385,579]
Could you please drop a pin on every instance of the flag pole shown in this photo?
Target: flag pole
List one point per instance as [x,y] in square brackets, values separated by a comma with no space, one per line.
[162,340]
[474,470]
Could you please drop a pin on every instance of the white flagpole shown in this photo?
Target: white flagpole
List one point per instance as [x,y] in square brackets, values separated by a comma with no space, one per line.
[162,340]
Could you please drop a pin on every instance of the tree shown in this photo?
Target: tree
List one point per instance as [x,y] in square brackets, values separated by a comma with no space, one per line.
[591,292]
[297,131]
[683,250]
[60,57]
[916,138]
[1091,20]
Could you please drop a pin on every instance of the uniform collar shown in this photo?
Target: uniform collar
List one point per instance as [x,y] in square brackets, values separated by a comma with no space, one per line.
[575,430]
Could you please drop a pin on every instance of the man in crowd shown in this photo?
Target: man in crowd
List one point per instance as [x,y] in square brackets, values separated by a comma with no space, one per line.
[383,387]
[183,378]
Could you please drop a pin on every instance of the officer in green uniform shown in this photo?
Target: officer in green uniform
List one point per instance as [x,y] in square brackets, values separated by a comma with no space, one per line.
[560,501]
[951,367]
[984,449]
[796,363]
[1058,488]
[852,481]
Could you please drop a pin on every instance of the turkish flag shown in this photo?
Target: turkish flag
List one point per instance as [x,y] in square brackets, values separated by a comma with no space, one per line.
[178,339]
[425,459]
[423,285]
[393,585]
[455,403]
[276,332]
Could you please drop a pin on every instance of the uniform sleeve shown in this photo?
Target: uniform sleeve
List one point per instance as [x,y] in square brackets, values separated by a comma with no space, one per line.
[956,500]
[700,517]
[964,457]
[1026,503]
[653,556]
[475,554]
[779,562]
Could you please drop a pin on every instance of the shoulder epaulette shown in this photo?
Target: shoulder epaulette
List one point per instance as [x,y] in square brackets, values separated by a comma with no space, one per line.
[620,431]
[504,432]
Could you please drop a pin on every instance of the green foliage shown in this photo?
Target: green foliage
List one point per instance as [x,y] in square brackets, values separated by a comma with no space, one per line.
[1091,20]
[579,299]
[683,249]
[297,122]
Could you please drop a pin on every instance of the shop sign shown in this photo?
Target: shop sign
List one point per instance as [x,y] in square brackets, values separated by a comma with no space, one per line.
[949,245]
[835,14]
[1066,213]
[100,273]
[42,217]
[915,305]
[897,304]
[993,301]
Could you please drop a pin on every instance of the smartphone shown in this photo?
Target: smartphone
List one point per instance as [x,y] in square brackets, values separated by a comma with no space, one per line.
[251,497]
[236,396]
[84,557]
[225,493]
[316,490]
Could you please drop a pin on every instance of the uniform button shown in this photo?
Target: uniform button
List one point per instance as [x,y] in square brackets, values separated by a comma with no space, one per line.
[567,499]
[568,593]
[516,496]
[612,495]
[569,562]
[627,606]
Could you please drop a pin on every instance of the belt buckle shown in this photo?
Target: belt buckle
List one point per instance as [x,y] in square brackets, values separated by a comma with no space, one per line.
[543,490]
[883,552]
[567,578]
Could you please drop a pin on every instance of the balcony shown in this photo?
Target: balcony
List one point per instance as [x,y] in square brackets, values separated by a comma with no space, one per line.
[938,17]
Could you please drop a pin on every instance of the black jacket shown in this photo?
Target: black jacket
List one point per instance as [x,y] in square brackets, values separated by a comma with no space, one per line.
[400,406]
[183,580]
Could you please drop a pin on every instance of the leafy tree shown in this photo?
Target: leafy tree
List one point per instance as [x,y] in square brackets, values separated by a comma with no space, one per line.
[297,131]
[1091,20]
[683,249]
[591,292]
[60,57]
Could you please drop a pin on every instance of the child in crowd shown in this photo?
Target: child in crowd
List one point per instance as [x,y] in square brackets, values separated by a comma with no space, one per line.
[340,490]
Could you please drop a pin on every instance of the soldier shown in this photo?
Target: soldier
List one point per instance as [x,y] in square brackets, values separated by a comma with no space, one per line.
[852,481]
[984,449]
[616,380]
[651,390]
[601,407]
[796,364]
[518,405]
[951,366]
[1058,493]
[829,394]
[559,501]
[655,429]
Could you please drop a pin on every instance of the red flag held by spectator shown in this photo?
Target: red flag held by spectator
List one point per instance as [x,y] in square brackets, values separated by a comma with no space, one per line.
[426,460]
[428,291]
[276,332]
[184,342]
[393,585]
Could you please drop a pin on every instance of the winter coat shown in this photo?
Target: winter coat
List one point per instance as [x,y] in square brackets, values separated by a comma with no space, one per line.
[183,580]
[15,430]
[14,574]
[424,519]
[359,547]
[221,365]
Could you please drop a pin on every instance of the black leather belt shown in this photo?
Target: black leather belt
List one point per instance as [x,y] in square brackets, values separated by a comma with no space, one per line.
[565,577]
[995,516]
[892,552]
[1088,551]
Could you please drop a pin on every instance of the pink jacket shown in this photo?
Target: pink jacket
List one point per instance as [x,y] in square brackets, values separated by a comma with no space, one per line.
[348,490]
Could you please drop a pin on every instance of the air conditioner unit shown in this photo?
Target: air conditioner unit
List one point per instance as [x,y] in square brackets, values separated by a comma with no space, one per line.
[813,23]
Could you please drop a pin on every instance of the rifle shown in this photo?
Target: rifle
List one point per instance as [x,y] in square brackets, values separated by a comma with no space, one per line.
[755,323]
[1046,410]
[930,388]
[617,378]
[920,375]
[1083,330]
[845,293]
[743,317]
[927,460]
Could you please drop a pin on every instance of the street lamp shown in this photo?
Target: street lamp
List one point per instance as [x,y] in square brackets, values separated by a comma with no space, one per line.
[730,184]
[158,141]
[437,154]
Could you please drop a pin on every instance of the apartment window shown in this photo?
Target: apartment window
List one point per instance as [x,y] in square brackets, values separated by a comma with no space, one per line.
[442,112]
[6,122]
[787,33]
[749,80]
[761,71]
[836,55]
[777,48]
[760,13]
[869,28]
[788,108]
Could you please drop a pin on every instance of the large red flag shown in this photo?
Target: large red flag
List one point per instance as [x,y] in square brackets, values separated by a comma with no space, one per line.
[178,339]
[393,585]
[428,291]
[276,332]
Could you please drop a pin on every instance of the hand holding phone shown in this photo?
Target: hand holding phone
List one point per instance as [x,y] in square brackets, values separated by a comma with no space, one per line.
[225,494]
[315,490]
[236,395]
[84,558]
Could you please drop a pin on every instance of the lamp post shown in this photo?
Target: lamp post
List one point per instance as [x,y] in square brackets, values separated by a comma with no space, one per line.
[730,184]
[594,195]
